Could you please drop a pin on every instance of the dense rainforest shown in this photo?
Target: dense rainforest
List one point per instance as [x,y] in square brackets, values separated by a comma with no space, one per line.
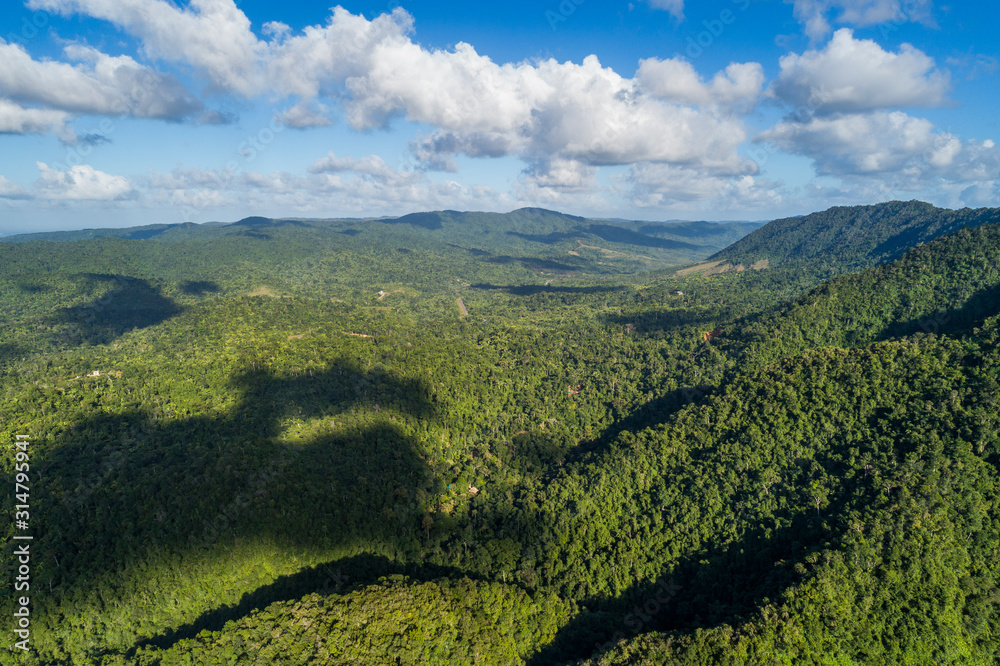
[852,237]
[469,438]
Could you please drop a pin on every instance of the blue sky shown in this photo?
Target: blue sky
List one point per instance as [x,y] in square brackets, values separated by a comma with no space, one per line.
[125,112]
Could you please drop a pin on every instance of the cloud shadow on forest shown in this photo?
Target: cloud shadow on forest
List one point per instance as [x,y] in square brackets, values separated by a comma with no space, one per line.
[653,413]
[532,289]
[981,305]
[130,303]
[476,252]
[625,236]
[34,288]
[10,352]
[659,321]
[538,263]
[428,221]
[199,287]
[193,485]
[146,234]
[725,584]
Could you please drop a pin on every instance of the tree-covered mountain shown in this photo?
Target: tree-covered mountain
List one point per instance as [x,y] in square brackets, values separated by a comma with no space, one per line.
[316,448]
[947,285]
[851,237]
[528,235]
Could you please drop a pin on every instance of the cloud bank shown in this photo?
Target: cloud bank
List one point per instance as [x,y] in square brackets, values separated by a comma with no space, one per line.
[671,135]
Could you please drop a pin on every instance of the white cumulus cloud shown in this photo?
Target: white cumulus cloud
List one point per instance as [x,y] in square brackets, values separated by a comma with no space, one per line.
[334,186]
[371,167]
[9,190]
[676,81]
[212,35]
[679,131]
[664,185]
[543,112]
[305,116]
[98,83]
[815,15]
[16,119]
[860,143]
[80,183]
[675,7]
[548,111]
[850,75]
[888,150]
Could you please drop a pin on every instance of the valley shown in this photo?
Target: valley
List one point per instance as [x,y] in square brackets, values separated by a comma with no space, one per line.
[523,438]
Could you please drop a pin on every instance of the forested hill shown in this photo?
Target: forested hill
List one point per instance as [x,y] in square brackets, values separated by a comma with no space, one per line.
[568,241]
[949,285]
[537,226]
[848,238]
[144,232]
[370,442]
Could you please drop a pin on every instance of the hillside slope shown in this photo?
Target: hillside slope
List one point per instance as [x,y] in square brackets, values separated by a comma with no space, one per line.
[848,238]
[835,503]
[843,505]
[950,284]
[286,440]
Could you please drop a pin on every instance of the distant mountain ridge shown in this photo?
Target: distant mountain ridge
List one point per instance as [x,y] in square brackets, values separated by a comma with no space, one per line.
[568,242]
[549,227]
[838,240]
[143,232]
[852,237]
